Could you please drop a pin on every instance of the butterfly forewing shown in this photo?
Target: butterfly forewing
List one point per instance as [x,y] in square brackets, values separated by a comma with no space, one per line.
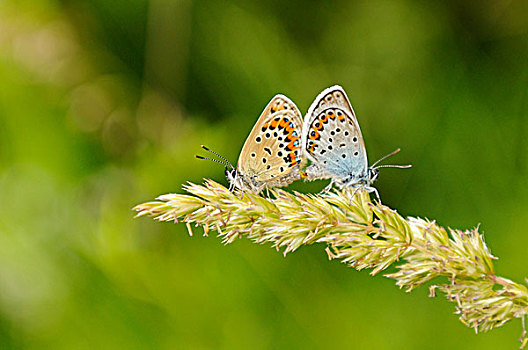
[271,153]
[332,138]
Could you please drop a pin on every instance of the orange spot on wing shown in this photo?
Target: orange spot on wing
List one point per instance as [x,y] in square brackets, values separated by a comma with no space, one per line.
[291,146]
[317,127]
[324,118]
[292,157]
[315,136]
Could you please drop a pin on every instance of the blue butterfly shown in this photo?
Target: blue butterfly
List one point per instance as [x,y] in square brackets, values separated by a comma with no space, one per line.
[332,141]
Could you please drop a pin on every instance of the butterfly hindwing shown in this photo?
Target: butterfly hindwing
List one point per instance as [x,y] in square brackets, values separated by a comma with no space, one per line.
[271,154]
[332,139]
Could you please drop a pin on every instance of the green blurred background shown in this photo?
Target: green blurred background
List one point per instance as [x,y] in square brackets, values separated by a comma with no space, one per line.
[104,103]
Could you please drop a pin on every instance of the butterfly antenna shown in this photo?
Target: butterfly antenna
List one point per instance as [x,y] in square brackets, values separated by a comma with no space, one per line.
[373,166]
[394,166]
[225,161]
[212,159]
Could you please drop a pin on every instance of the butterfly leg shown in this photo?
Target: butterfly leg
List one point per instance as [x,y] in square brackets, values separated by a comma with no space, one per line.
[373,189]
[356,188]
[239,194]
[327,188]
[234,186]
[377,194]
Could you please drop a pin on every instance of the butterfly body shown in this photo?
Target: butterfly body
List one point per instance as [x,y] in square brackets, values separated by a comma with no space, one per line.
[271,155]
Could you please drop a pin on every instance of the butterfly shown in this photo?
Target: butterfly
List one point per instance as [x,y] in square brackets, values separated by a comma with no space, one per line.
[332,141]
[271,155]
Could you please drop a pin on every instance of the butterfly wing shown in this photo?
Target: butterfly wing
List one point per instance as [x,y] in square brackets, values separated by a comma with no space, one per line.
[271,154]
[332,139]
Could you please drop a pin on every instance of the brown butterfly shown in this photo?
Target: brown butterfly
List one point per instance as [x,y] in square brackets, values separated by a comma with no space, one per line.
[271,155]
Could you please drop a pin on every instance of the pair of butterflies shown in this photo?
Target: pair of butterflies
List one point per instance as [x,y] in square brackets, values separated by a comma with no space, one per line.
[280,144]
